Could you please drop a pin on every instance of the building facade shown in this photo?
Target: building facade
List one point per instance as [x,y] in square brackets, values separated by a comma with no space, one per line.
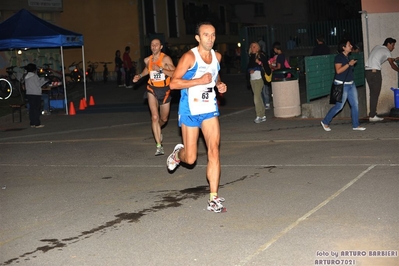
[108,26]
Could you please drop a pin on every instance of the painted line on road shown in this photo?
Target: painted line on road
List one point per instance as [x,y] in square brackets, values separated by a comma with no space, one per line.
[269,141]
[75,130]
[104,127]
[304,217]
[197,165]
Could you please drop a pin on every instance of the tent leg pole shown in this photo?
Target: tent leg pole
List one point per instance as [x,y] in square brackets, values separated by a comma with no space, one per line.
[63,81]
[84,71]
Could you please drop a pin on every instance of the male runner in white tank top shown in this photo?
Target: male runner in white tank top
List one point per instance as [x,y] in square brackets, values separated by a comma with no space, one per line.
[196,75]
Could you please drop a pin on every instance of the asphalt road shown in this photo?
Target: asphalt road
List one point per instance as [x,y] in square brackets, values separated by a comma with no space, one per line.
[88,190]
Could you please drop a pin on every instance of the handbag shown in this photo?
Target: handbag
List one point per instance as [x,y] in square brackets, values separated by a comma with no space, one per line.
[337,91]
[268,78]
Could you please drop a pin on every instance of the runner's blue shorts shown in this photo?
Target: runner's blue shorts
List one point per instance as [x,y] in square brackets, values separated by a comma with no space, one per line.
[195,120]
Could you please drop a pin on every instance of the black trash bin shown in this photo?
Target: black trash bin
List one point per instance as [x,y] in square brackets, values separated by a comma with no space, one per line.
[286,97]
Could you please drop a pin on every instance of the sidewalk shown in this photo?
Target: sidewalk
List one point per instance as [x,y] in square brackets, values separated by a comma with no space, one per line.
[111,100]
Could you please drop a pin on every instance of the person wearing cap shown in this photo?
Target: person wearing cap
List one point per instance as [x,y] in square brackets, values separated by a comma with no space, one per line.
[377,57]
[33,86]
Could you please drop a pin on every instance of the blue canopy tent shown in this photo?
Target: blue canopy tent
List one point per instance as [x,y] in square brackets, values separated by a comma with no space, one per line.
[25,30]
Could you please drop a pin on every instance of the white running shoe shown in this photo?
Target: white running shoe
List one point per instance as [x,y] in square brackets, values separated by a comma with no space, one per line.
[359,128]
[325,127]
[215,205]
[375,119]
[260,119]
[172,162]
[159,151]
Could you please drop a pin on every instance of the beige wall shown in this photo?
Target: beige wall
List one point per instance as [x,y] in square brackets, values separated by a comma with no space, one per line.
[106,26]
[380,6]
[382,21]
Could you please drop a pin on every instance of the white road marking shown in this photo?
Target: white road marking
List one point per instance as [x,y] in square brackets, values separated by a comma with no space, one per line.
[304,217]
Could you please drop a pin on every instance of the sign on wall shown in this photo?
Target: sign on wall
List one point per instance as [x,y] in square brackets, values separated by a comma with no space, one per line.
[45,3]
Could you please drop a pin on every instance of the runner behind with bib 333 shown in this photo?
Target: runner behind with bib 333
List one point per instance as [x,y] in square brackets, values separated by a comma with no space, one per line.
[160,68]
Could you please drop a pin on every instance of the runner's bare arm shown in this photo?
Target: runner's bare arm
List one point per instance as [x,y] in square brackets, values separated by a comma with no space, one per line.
[185,63]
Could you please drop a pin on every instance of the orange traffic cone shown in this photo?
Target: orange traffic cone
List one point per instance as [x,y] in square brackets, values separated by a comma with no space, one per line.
[84,102]
[91,102]
[81,105]
[72,109]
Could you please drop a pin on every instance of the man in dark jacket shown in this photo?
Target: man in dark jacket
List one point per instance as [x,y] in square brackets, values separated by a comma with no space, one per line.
[321,48]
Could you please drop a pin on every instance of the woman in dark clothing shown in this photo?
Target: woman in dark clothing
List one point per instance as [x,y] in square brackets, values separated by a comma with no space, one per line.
[119,68]
[344,74]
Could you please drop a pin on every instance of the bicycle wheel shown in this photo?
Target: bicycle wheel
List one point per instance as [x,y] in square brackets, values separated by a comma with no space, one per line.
[5,89]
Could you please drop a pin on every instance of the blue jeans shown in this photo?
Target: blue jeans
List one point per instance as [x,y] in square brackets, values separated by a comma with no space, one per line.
[46,102]
[266,94]
[350,94]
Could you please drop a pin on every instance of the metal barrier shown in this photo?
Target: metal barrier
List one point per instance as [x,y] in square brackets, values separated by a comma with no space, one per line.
[298,40]
[320,74]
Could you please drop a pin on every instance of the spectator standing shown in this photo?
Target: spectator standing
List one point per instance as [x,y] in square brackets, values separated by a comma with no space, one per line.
[377,57]
[262,44]
[196,75]
[128,65]
[344,74]
[33,86]
[321,48]
[279,61]
[291,44]
[119,69]
[160,68]
[256,60]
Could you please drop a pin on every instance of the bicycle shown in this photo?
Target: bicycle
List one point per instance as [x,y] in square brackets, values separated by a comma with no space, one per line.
[54,76]
[91,70]
[11,87]
[55,80]
[105,72]
[5,89]
[75,75]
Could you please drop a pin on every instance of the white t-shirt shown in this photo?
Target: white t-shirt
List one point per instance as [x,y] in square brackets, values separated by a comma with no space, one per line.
[377,57]
[256,75]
